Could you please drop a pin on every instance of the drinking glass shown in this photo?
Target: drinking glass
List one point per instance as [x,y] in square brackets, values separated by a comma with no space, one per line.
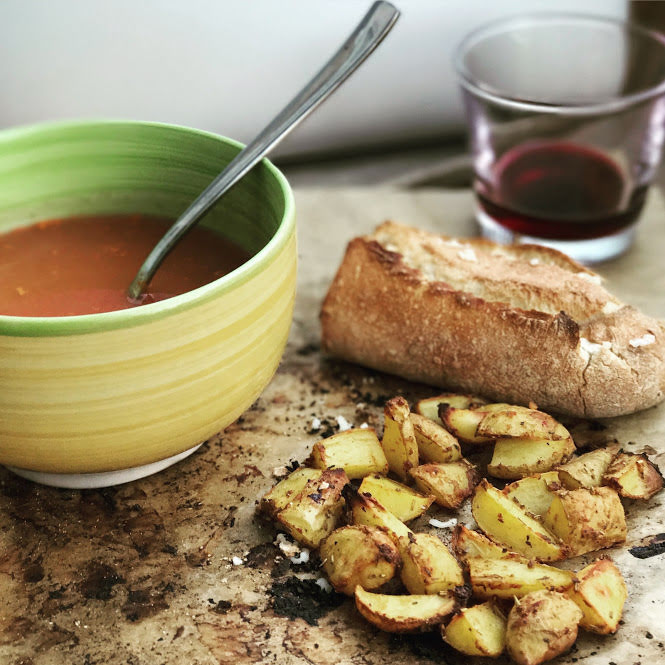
[567,119]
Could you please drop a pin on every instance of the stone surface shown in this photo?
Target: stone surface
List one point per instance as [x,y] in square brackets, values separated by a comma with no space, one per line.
[144,574]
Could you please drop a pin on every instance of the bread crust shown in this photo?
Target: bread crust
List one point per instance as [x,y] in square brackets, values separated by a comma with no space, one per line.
[396,305]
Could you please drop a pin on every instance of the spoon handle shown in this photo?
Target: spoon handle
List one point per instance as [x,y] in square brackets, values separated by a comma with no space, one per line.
[369,33]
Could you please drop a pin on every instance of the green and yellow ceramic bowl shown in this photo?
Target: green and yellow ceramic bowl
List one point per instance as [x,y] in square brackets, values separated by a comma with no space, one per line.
[138,388]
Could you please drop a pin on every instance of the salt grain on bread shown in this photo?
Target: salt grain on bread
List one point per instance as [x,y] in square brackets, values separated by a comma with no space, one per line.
[514,323]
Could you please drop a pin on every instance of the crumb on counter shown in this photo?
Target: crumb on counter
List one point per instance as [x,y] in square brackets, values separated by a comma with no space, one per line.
[438,524]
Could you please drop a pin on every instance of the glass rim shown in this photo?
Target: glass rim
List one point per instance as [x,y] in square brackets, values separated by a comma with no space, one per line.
[501,25]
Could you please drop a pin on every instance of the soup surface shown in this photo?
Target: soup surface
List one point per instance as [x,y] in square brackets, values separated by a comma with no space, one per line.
[83,265]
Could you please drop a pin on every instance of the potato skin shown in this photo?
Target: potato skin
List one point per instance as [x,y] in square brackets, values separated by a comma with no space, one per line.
[587,470]
[405,503]
[286,490]
[516,458]
[542,625]
[520,422]
[428,566]
[312,514]
[404,614]
[469,544]
[365,509]
[507,523]
[429,407]
[515,576]
[449,483]
[533,492]
[357,451]
[359,556]
[479,630]
[399,439]
[435,442]
[587,519]
[600,592]
[633,476]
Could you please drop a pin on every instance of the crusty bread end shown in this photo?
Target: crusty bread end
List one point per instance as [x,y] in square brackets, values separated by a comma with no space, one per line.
[515,323]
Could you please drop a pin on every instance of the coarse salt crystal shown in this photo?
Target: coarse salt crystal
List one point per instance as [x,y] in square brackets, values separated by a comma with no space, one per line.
[645,340]
[593,347]
[316,424]
[323,583]
[610,307]
[467,254]
[288,547]
[534,261]
[587,348]
[301,557]
[364,426]
[443,525]
[236,561]
[324,485]
[594,279]
[343,423]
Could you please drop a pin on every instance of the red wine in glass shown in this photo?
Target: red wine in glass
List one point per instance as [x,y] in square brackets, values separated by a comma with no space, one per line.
[560,191]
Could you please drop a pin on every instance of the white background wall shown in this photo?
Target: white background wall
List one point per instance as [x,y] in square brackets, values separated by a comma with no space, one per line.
[228,66]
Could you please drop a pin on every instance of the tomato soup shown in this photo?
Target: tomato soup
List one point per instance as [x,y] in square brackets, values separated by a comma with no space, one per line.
[84,265]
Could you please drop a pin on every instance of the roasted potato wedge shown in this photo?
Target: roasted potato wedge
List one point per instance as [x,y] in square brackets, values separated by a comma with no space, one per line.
[505,578]
[479,630]
[633,476]
[430,407]
[285,490]
[533,492]
[519,422]
[587,470]
[542,625]
[365,509]
[428,566]
[463,423]
[359,555]
[403,614]
[357,451]
[587,519]
[516,458]
[508,523]
[449,483]
[399,439]
[402,501]
[435,443]
[600,592]
[472,544]
[313,513]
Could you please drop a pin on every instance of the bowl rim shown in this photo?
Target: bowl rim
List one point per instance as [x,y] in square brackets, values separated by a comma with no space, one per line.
[47,326]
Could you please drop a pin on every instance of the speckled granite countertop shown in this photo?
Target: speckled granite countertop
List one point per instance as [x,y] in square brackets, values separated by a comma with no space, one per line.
[143,573]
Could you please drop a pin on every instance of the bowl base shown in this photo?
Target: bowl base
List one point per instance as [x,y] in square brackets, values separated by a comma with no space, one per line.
[80,481]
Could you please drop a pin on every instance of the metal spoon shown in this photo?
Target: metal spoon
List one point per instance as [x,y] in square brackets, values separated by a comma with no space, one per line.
[369,33]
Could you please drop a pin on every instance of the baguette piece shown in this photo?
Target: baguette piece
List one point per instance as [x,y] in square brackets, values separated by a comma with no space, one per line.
[514,323]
